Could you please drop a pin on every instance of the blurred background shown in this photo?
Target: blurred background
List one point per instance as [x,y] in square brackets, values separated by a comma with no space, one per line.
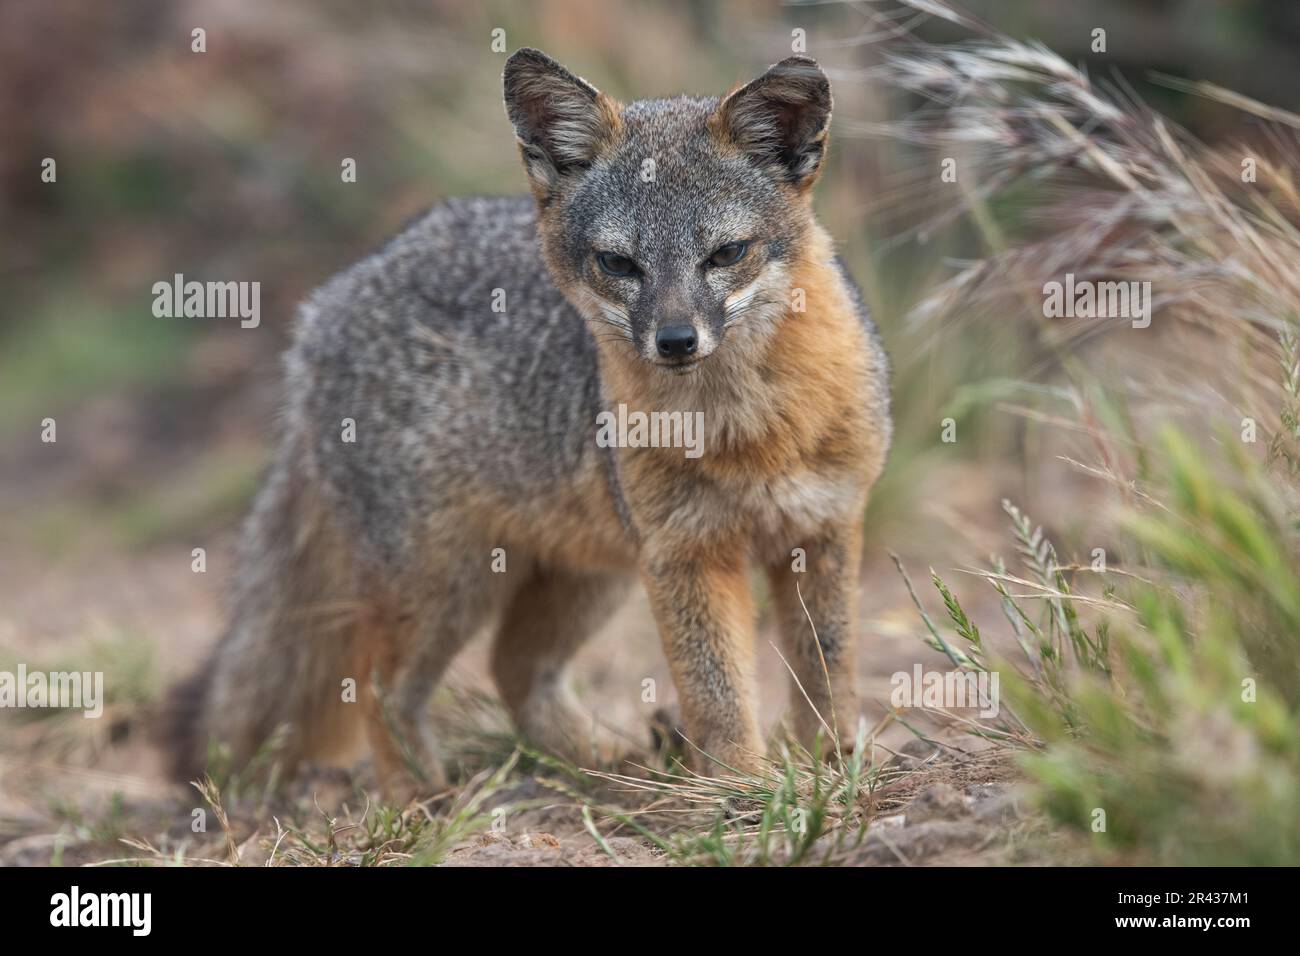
[226,165]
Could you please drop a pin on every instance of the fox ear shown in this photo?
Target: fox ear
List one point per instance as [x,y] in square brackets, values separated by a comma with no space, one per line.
[781,119]
[562,122]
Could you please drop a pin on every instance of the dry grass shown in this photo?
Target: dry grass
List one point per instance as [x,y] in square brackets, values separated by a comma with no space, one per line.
[1175,716]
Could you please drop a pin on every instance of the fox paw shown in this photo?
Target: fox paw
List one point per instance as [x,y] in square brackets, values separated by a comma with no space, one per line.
[575,735]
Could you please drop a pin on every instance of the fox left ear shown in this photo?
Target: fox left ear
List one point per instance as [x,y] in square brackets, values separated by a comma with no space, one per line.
[781,119]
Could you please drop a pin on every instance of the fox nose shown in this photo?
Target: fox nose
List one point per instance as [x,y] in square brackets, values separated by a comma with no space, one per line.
[674,341]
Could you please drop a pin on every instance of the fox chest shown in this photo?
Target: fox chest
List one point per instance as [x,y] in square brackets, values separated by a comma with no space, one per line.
[757,485]
[779,513]
[767,516]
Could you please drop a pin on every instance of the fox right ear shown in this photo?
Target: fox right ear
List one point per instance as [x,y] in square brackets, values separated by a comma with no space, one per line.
[781,119]
[562,122]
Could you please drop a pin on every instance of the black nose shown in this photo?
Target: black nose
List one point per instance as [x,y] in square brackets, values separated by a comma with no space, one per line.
[674,341]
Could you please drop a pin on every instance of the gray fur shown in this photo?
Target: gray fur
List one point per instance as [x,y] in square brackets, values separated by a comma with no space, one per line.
[448,395]
[475,428]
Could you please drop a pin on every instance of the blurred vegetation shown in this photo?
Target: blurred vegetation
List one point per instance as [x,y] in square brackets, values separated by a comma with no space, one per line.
[1172,737]
[1153,692]
[225,164]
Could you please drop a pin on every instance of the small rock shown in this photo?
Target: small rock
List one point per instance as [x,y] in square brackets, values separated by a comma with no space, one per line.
[915,753]
[539,841]
[999,808]
[939,801]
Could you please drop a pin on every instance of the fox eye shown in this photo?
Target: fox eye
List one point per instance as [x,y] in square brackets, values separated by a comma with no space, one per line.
[729,254]
[611,263]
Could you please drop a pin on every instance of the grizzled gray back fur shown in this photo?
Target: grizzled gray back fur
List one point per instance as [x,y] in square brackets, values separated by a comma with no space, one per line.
[448,396]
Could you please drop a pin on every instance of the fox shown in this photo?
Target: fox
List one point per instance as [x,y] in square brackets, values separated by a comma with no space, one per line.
[437,473]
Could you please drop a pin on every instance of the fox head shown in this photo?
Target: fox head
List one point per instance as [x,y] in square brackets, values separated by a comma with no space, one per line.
[671,224]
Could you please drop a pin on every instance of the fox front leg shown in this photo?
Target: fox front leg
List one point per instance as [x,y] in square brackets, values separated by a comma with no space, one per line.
[705,613]
[815,593]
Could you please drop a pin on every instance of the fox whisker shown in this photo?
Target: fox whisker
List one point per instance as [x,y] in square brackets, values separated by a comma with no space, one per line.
[614,318]
[624,331]
[738,310]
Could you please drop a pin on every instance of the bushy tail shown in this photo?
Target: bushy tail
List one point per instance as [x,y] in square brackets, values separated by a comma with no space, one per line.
[177,727]
[276,672]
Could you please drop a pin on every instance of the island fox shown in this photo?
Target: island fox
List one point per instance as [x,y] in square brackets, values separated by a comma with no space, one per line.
[438,468]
